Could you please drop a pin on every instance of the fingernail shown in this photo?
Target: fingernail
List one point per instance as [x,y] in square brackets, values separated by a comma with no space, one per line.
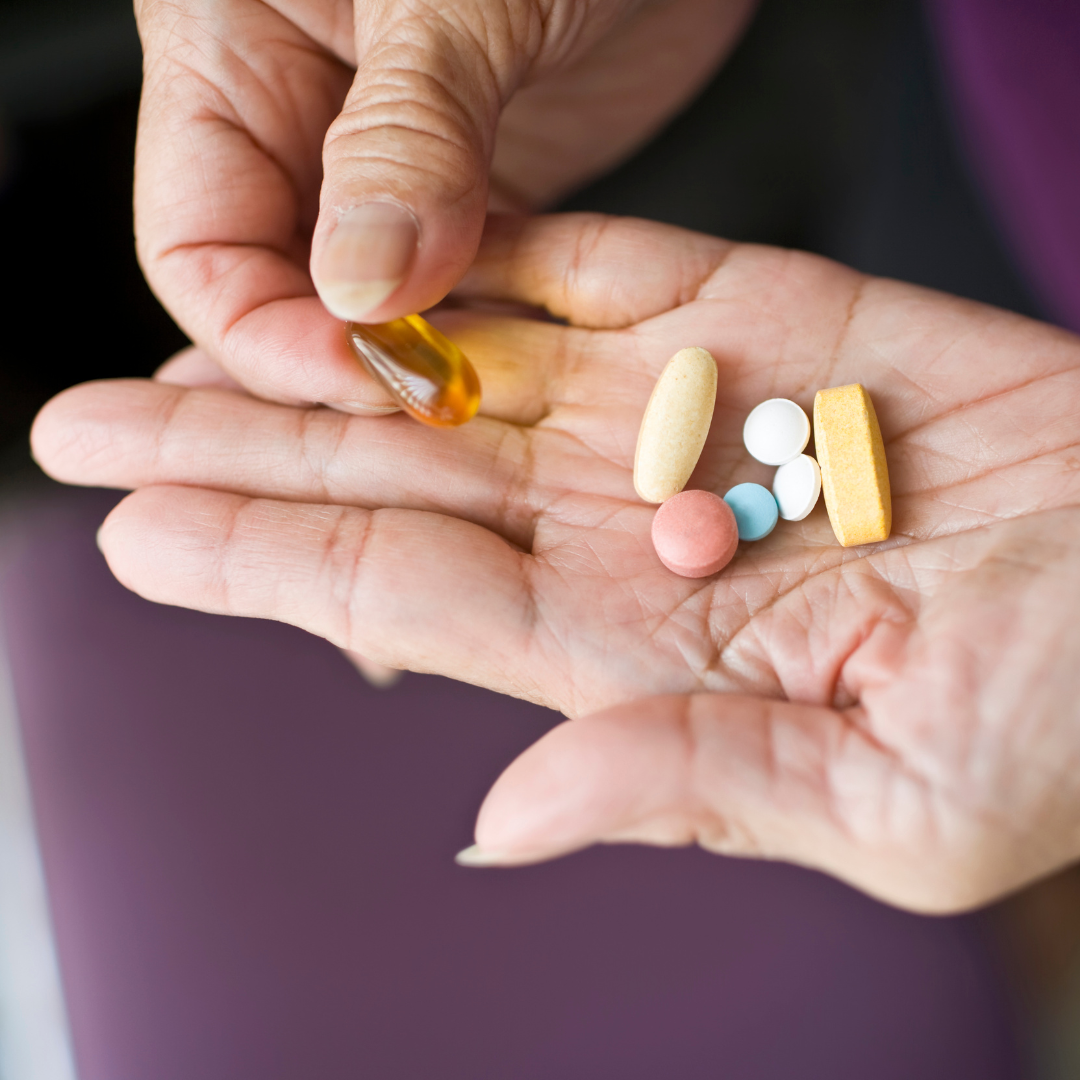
[379,675]
[478,856]
[362,408]
[366,258]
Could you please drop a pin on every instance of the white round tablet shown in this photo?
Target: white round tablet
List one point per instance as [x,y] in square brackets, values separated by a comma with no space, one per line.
[796,487]
[776,432]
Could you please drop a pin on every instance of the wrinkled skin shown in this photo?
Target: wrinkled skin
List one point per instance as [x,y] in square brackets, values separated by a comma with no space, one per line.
[263,121]
[902,715]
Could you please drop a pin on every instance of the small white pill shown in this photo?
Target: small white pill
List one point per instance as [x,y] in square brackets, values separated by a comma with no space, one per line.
[796,487]
[776,432]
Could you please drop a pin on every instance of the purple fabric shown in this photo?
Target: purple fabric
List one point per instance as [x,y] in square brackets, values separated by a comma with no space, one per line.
[1014,66]
[249,858]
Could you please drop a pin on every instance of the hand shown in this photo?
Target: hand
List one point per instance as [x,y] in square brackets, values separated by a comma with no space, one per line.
[251,107]
[903,716]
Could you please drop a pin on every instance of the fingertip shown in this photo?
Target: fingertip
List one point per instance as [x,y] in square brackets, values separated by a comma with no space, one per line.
[121,536]
[71,430]
[525,807]
[167,528]
[293,352]
[43,433]
[380,260]
[403,201]
[560,795]
[364,257]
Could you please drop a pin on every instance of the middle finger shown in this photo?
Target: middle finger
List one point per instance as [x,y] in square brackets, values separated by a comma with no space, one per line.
[130,433]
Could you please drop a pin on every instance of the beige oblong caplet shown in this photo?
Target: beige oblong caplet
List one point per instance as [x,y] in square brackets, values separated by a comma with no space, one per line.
[675,425]
[854,475]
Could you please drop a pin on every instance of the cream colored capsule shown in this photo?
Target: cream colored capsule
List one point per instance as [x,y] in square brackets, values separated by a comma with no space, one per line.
[675,425]
[854,476]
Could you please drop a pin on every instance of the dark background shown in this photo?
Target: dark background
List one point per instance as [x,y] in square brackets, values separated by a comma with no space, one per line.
[75,305]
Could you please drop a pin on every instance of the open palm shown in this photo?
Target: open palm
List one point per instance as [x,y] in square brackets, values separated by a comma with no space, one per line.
[903,715]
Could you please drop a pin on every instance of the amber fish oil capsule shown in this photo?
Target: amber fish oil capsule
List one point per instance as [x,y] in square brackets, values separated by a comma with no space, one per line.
[427,374]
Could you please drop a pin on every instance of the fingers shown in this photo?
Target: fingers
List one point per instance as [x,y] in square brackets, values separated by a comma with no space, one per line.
[234,110]
[593,270]
[131,433]
[237,106]
[128,433]
[196,369]
[405,589]
[406,161]
[741,776]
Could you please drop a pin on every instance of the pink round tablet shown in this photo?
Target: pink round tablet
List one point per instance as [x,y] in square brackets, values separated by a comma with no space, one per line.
[695,534]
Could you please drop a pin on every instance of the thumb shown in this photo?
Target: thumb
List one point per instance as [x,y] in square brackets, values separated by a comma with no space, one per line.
[737,775]
[406,162]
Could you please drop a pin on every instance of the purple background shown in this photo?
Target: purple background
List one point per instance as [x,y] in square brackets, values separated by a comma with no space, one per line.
[1014,69]
[249,854]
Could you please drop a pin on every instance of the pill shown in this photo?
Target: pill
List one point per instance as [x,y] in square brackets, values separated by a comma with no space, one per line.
[776,432]
[695,534]
[796,487]
[755,510]
[675,425]
[425,372]
[854,476]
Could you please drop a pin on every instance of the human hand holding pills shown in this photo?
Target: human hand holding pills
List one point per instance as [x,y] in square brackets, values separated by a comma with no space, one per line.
[346,171]
[898,714]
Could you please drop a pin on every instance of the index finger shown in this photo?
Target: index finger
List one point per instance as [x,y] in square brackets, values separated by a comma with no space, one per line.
[227,185]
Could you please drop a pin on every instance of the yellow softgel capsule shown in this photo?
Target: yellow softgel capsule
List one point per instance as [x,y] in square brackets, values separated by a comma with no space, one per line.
[854,476]
[427,374]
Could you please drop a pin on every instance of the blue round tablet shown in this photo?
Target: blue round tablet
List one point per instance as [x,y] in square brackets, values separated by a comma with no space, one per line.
[755,510]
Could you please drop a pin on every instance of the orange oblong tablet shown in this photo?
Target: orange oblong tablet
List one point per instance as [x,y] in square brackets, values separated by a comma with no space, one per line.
[695,534]
[854,474]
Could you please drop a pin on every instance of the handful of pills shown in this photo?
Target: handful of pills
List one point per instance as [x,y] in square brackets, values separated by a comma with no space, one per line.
[695,533]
